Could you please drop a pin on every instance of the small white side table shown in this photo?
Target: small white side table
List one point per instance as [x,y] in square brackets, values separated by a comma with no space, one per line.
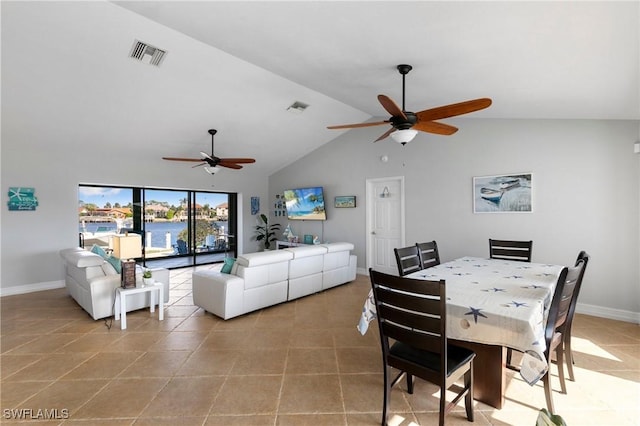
[121,301]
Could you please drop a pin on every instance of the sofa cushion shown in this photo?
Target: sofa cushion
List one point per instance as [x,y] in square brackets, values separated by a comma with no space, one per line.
[334,247]
[81,258]
[306,251]
[264,257]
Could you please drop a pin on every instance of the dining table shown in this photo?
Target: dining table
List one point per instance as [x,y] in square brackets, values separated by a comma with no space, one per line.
[492,305]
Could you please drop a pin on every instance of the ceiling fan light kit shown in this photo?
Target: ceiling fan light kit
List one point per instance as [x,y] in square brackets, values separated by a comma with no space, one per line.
[406,124]
[404,136]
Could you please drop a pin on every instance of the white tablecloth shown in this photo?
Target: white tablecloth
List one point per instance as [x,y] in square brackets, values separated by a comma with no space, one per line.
[494,302]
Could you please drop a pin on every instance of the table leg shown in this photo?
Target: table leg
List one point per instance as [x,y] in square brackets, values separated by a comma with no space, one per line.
[489,370]
[160,303]
[152,301]
[117,305]
[123,311]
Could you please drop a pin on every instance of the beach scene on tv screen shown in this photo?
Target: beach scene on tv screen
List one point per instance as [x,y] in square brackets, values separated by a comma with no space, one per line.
[305,203]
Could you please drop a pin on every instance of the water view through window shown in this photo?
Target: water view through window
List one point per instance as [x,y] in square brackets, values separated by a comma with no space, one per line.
[190,226]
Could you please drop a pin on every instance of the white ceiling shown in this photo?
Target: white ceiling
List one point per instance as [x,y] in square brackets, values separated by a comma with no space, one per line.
[250,60]
[534,59]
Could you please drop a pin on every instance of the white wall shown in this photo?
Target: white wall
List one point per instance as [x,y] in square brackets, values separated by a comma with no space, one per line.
[31,240]
[72,99]
[586,195]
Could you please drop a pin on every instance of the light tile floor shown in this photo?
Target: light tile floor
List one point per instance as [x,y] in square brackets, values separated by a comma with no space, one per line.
[299,363]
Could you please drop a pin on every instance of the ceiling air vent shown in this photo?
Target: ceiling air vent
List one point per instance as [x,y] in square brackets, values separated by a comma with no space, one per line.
[147,53]
[297,107]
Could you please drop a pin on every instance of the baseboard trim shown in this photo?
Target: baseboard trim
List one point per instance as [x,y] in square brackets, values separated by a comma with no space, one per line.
[614,314]
[31,288]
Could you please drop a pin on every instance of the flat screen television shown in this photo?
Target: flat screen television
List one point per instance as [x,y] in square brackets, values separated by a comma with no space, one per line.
[305,203]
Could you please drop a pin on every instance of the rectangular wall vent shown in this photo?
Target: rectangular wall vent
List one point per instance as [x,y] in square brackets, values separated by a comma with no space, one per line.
[297,107]
[147,53]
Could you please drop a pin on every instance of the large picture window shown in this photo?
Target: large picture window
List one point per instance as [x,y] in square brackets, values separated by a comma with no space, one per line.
[178,227]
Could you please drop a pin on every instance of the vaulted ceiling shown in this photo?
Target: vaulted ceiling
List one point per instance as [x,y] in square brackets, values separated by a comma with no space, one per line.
[237,66]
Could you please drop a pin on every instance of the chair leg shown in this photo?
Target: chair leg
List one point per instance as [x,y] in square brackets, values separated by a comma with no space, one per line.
[443,406]
[547,392]
[387,396]
[560,361]
[409,383]
[468,399]
[570,360]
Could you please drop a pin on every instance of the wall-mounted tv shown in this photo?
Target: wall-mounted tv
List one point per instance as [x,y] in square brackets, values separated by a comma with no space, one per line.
[305,203]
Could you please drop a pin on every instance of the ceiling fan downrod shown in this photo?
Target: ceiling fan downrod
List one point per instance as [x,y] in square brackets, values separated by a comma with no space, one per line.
[404,70]
[212,132]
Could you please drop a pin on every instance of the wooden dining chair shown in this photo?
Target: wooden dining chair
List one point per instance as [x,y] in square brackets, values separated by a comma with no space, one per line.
[510,250]
[429,255]
[413,315]
[582,256]
[408,260]
[556,327]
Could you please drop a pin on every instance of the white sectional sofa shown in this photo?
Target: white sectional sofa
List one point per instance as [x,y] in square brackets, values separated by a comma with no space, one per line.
[305,270]
[92,282]
[263,279]
[339,265]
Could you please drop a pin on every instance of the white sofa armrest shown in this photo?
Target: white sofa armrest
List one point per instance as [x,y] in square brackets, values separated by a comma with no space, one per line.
[218,293]
[81,258]
[102,291]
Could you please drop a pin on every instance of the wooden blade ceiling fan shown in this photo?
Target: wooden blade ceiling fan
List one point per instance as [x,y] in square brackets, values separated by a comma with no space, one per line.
[212,161]
[406,124]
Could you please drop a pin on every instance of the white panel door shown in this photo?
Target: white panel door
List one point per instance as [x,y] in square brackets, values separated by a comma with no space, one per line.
[385,222]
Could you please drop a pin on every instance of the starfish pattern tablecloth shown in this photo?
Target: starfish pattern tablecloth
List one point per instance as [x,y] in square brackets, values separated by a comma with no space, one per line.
[494,302]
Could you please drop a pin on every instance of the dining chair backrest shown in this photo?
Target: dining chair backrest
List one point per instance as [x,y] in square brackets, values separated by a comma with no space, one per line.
[559,309]
[429,255]
[412,321]
[411,311]
[582,257]
[408,260]
[510,250]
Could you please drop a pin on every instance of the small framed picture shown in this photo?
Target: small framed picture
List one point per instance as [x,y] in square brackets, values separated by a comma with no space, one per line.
[255,205]
[345,201]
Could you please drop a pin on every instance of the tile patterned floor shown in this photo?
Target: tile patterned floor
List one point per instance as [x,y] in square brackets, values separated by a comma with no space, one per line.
[299,363]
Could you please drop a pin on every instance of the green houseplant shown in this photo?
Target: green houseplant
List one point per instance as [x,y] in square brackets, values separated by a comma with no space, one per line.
[265,232]
[147,277]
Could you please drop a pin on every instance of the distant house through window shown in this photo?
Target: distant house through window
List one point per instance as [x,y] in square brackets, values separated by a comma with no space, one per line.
[178,227]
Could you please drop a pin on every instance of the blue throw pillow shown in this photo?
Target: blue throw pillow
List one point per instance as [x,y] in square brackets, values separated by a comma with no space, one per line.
[99,251]
[228,264]
[115,262]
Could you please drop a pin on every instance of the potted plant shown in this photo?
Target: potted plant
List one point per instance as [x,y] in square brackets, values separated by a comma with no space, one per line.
[265,232]
[147,277]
